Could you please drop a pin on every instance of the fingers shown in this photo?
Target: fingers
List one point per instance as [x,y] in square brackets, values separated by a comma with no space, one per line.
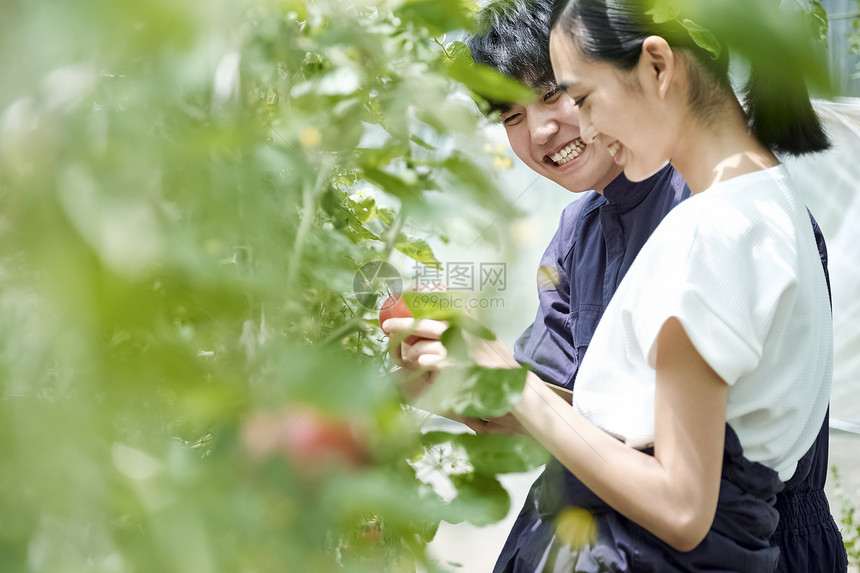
[431,362]
[412,352]
[424,354]
[395,351]
[430,329]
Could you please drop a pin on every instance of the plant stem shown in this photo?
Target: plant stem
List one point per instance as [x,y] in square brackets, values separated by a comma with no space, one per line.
[392,234]
[347,328]
[309,194]
[357,322]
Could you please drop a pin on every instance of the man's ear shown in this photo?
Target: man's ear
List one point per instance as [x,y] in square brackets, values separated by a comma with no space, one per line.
[658,64]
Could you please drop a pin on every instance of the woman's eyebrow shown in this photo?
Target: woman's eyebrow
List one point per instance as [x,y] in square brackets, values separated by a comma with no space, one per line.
[564,86]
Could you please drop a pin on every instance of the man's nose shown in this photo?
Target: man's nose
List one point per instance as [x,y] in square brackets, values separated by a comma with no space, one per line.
[543,124]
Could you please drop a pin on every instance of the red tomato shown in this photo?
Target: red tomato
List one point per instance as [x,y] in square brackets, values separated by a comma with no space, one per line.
[395,307]
[305,436]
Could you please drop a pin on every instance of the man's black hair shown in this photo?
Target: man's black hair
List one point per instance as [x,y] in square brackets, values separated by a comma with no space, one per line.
[513,38]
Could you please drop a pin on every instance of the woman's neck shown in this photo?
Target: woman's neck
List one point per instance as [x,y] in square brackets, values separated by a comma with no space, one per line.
[709,154]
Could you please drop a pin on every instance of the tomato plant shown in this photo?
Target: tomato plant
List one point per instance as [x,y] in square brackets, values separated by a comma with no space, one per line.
[188,192]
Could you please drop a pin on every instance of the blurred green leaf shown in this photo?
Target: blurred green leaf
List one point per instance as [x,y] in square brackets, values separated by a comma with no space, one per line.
[664,11]
[438,16]
[481,499]
[760,33]
[392,184]
[490,84]
[188,191]
[487,392]
[494,453]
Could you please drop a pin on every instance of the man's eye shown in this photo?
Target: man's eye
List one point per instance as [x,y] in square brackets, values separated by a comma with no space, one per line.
[552,94]
[511,119]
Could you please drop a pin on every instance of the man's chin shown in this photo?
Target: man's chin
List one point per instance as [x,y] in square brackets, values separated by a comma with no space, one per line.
[580,180]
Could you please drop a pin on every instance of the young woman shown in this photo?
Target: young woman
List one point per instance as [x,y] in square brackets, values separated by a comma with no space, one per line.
[715,353]
[708,377]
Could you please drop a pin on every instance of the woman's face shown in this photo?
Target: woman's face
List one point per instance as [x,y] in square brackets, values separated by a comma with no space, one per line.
[620,113]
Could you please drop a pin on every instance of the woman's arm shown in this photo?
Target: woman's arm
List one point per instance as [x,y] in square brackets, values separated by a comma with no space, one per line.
[672,494]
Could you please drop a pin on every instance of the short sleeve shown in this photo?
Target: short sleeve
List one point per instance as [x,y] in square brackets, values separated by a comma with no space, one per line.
[724,282]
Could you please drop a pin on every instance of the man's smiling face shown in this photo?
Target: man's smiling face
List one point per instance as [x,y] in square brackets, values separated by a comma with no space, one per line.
[545,135]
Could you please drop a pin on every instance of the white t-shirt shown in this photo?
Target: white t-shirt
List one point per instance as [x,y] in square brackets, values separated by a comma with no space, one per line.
[739,267]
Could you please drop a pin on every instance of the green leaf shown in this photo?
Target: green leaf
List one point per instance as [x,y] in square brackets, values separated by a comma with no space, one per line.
[481,499]
[663,11]
[474,326]
[489,83]
[494,453]
[469,174]
[389,183]
[703,38]
[499,454]
[438,16]
[418,250]
[488,392]
[437,305]
[385,494]
[484,80]
[766,37]
[818,16]
[459,52]
[378,156]
[415,139]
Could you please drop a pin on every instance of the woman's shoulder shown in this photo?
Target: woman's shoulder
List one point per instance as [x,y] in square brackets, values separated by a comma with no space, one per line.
[753,206]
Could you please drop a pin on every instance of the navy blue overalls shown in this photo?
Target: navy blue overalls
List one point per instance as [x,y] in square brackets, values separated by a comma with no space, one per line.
[597,240]
[807,536]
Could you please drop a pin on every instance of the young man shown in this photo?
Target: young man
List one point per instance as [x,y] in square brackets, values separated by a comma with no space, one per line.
[598,237]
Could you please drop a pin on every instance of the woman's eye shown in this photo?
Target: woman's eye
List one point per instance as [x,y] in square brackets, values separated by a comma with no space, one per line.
[579,102]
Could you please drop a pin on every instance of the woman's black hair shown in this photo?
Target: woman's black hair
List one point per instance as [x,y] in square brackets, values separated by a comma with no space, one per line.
[513,38]
[778,108]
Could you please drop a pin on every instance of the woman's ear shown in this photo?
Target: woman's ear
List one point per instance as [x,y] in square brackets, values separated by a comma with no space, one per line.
[658,64]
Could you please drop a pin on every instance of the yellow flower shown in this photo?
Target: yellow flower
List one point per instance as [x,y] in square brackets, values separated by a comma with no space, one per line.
[548,277]
[576,527]
[500,163]
[310,137]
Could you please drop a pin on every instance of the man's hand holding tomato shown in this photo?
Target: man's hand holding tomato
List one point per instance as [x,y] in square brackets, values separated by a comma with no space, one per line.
[421,355]
[413,345]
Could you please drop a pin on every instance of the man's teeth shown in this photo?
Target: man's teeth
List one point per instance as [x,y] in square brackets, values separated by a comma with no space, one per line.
[571,151]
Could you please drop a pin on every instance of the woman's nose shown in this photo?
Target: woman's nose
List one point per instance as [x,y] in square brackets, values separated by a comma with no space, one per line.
[586,128]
